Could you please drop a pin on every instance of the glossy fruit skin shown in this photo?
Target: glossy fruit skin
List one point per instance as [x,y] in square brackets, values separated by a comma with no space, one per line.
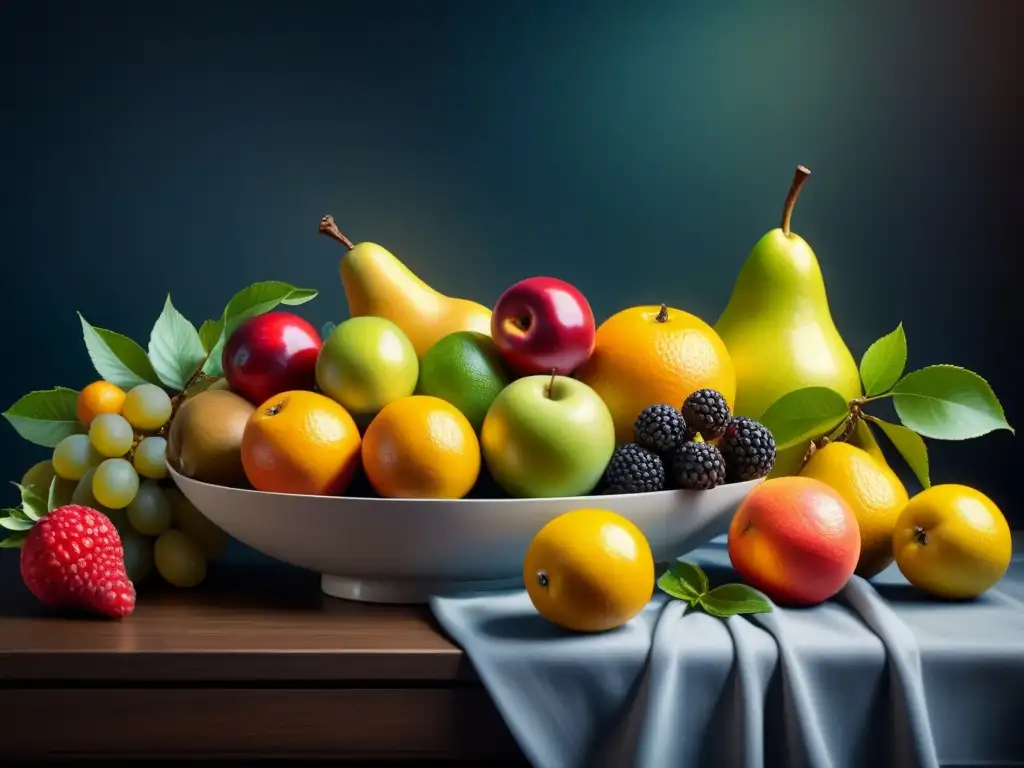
[96,398]
[205,439]
[795,539]
[544,439]
[467,370]
[73,558]
[589,570]
[639,360]
[952,541]
[366,363]
[376,283]
[421,447]
[271,353]
[543,324]
[300,442]
[873,491]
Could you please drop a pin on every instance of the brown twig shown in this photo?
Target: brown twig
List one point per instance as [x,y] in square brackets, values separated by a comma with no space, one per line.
[794,192]
[329,228]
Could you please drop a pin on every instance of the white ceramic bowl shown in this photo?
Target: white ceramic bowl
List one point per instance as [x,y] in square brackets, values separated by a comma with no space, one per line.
[405,550]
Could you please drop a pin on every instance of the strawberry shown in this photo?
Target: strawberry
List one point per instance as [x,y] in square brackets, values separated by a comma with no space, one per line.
[72,557]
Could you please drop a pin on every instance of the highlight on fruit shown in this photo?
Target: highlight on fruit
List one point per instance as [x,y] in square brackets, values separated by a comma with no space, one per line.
[421,395]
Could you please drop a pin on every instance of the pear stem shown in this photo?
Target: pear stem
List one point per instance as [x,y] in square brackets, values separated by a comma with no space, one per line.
[551,384]
[329,228]
[662,316]
[794,192]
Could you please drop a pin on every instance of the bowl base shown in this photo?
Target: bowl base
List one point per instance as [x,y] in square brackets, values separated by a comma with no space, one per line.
[406,592]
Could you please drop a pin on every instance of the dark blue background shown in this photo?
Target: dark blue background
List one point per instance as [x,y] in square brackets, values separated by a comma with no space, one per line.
[636,149]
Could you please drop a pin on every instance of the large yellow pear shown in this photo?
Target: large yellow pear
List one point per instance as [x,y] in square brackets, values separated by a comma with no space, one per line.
[779,330]
[377,284]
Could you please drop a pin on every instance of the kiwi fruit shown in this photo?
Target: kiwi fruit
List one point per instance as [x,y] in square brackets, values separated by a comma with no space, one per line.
[205,440]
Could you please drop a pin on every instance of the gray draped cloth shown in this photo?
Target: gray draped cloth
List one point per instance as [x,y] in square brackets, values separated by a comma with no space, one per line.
[879,676]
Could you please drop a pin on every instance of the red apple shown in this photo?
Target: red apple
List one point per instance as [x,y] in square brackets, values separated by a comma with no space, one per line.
[269,354]
[543,324]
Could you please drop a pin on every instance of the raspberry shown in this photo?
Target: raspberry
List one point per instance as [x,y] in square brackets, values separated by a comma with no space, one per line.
[660,428]
[698,466]
[73,558]
[748,448]
[634,469]
[706,414]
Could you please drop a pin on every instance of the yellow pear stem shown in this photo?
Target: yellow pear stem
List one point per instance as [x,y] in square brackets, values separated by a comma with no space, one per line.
[329,228]
[794,192]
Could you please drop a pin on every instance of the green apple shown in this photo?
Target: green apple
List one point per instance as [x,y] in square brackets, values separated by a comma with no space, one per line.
[547,436]
[366,363]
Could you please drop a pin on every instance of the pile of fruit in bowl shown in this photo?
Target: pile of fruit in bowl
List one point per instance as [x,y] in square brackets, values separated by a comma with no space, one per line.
[428,439]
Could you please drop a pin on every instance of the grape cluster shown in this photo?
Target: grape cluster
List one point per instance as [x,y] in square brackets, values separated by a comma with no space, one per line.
[119,468]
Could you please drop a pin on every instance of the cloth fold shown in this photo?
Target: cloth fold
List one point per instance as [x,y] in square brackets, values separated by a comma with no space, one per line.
[861,680]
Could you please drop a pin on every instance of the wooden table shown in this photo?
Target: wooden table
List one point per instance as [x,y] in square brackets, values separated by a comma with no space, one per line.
[254,663]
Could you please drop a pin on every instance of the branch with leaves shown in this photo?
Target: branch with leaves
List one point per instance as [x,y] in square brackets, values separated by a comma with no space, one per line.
[180,358]
[688,582]
[939,402]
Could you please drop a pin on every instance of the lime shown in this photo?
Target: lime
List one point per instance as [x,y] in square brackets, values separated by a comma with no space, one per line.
[465,369]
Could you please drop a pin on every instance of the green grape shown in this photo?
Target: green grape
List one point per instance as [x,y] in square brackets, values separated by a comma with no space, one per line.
[150,511]
[83,496]
[179,559]
[115,483]
[138,555]
[111,435]
[74,456]
[146,407]
[150,455]
[188,519]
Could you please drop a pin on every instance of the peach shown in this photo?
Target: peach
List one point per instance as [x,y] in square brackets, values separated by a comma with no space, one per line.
[795,539]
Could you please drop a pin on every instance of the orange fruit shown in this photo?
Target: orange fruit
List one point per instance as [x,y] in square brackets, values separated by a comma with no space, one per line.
[98,397]
[589,570]
[300,442]
[651,356]
[421,447]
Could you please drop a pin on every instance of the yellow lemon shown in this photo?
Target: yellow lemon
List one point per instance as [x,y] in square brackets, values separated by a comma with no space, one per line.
[589,570]
[874,493]
[952,541]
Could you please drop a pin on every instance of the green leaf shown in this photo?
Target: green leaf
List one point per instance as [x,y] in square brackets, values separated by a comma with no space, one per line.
[209,332]
[255,300]
[175,348]
[684,581]
[14,540]
[910,446]
[117,358]
[884,362]
[945,402]
[16,524]
[51,496]
[804,414]
[733,600]
[45,417]
[327,329]
[32,504]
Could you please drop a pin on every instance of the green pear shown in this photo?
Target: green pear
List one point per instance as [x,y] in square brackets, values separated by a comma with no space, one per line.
[779,330]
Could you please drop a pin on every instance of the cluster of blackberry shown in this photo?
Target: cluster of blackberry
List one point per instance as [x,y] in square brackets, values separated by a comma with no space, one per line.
[697,447]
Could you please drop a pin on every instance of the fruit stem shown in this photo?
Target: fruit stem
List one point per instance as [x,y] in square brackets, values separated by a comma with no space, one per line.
[662,316]
[542,579]
[794,192]
[920,536]
[551,384]
[329,228]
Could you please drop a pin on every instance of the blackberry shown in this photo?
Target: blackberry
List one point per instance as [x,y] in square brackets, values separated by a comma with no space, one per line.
[698,466]
[706,413]
[748,448]
[660,428]
[633,469]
